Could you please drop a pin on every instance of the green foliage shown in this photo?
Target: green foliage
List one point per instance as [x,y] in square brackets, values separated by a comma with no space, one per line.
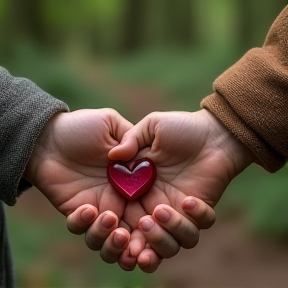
[53,76]
[185,75]
[262,197]
[69,15]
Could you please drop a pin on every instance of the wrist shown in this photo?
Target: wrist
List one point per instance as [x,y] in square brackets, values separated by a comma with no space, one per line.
[40,151]
[238,154]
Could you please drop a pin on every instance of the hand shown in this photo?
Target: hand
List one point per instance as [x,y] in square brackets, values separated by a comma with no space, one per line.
[161,234]
[68,165]
[139,251]
[195,156]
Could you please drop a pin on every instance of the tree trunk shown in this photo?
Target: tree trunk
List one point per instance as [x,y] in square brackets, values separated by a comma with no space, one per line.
[255,20]
[178,17]
[132,25]
[26,20]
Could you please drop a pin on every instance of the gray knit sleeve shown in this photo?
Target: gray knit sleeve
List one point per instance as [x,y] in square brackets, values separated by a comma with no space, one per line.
[24,111]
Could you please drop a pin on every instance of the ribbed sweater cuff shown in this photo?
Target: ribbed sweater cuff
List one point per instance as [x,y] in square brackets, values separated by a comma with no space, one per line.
[24,111]
[266,156]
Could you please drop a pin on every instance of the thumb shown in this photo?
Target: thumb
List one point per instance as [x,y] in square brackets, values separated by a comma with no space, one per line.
[138,137]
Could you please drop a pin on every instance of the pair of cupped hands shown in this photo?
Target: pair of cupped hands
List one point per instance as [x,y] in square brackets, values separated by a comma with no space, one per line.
[196,158]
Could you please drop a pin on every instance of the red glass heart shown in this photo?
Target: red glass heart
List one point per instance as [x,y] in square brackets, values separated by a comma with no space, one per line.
[135,182]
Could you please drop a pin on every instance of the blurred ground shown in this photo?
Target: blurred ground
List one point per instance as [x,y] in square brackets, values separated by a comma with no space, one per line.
[227,256]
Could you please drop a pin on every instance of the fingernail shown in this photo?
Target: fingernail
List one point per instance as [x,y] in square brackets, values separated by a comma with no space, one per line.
[108,221]
[146,225]
[87,215]
[162,215]
[120,240]
[189,204]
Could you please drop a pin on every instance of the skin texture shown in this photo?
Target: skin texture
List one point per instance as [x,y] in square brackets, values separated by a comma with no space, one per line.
[194,153]
[68,165]
[196,156]
[69,161]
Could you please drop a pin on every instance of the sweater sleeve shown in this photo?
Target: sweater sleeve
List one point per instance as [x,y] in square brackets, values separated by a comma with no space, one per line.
[251,98]
[24,111]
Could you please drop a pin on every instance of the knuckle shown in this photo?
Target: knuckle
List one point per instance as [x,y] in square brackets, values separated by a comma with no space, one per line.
[200,211]
[74,230]
[177,222]
[172,252]
[109,111]
[193,240]
[73,227]
[92,242]
[105,258]
[158,239]
[113,112]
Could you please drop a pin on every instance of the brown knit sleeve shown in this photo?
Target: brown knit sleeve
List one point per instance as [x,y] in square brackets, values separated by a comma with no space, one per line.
[251,98]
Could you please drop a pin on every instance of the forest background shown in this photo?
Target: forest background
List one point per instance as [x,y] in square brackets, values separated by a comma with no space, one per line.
[138,56]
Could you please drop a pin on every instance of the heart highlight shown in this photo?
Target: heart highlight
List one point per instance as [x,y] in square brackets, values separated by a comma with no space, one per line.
[135,182]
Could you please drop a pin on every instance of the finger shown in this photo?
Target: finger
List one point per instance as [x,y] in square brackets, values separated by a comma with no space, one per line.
[128,259]
[120,125]
[138,137]
[148,261]
[133,213]
[81,219]
[101,228]
[111,200]
[183,230]
[160,240]
[203,215]
[115,245]
[137,243]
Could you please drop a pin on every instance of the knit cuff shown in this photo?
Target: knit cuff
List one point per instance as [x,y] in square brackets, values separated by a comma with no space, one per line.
[266,156]
[25,109]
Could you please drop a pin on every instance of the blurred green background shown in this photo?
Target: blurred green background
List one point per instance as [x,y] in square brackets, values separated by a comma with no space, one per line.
[164,54]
